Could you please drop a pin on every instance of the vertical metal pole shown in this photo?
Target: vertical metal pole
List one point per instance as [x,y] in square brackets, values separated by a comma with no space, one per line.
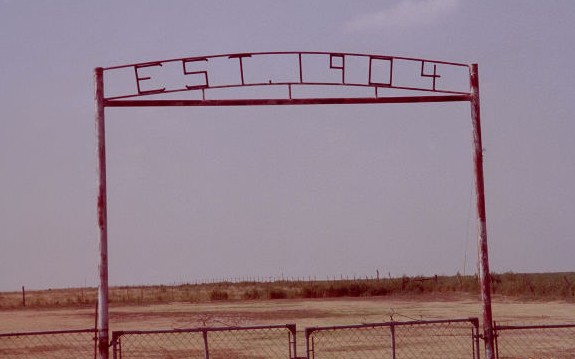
[484,274]
[293,340]
[392,330]
[206,345]
[103,327]
[495,339]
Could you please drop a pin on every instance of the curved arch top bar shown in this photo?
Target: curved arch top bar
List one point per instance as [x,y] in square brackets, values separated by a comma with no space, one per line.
[277,78]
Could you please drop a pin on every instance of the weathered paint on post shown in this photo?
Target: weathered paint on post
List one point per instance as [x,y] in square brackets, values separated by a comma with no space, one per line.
[103,327]
[483,262]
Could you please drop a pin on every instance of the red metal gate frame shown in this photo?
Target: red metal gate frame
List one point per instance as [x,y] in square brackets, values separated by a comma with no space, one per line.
[336,63]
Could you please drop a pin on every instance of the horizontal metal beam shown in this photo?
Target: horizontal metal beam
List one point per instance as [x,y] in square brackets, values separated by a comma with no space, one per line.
[293,101]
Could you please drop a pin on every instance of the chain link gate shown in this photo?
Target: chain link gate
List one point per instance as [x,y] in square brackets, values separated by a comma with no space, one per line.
[535,341]
[439,339]
[61,344]
[261,342]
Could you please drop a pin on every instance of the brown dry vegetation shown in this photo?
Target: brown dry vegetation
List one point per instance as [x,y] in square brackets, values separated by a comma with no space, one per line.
[535,299]
[527,298]
[545,286]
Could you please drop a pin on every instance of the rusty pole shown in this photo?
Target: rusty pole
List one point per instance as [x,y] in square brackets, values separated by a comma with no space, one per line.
[103,326]
[484,274]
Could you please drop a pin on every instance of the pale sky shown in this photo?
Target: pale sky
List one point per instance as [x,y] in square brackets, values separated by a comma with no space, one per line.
[314,191]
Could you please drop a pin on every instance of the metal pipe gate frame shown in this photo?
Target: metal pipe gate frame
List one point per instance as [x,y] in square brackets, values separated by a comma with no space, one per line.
[336,63]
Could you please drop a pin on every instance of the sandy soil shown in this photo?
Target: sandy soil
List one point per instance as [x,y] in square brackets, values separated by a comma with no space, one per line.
[304,313]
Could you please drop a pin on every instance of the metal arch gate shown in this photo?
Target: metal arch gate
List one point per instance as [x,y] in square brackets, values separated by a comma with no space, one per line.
[375,73]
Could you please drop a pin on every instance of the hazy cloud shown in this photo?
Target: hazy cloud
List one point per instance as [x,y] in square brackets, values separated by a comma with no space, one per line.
[403,14]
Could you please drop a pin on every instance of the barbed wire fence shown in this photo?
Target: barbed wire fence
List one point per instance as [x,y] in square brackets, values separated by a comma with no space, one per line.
[62,344]
[536,341]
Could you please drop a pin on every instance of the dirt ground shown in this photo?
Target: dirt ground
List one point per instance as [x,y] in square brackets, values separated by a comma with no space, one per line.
[304,313]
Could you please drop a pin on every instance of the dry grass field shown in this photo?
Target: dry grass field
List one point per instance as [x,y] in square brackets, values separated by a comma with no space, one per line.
[303,312]
[518,299]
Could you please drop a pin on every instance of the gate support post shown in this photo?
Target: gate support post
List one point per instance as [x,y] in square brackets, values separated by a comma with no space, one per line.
[103,326]
[484,273]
